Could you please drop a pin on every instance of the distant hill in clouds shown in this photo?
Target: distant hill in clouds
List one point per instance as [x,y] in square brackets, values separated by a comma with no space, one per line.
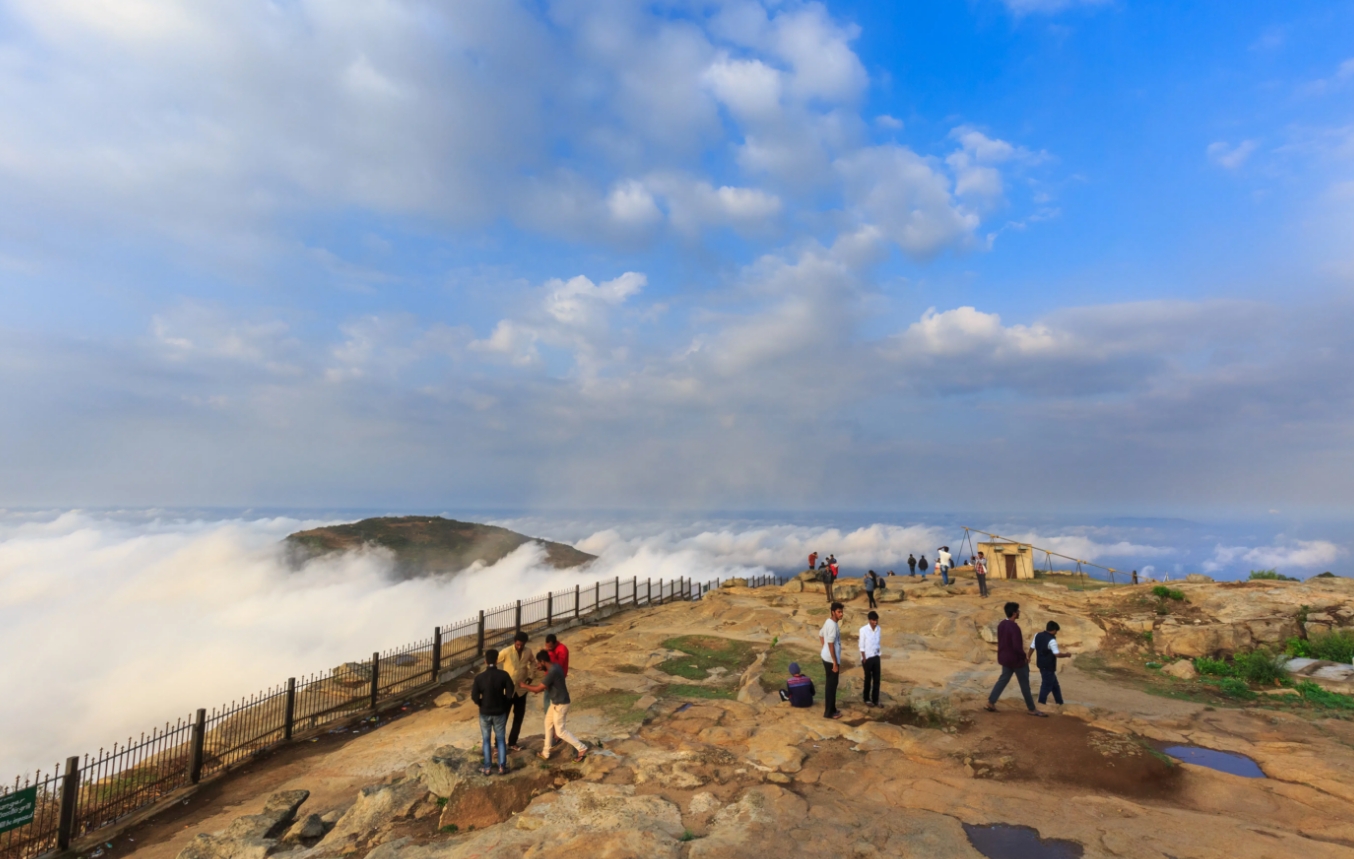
[427,545]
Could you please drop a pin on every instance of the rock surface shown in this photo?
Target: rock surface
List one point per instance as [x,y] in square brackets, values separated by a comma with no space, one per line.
[252,836]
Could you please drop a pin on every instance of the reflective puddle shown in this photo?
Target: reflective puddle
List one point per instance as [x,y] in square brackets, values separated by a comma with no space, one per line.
[1003,841]
[1228,762]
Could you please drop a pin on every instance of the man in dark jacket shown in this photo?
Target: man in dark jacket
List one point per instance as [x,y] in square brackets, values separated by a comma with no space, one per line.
[911,565]
[1011,656]
[1046,656]
[493,692]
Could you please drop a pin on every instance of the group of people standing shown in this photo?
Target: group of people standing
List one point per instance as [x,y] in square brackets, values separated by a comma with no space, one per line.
[502,688]
[1012,655]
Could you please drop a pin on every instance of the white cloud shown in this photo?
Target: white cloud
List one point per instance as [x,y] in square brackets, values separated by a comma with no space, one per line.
[1228,156]
[1302,554]
[572,302]
[889,122]
[908,198]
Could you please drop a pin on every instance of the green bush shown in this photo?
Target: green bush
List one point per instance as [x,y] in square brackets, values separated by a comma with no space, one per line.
[1212,667]
[1260,667]
[1165,593]
[1336,646]
[1272,576]
[1235,688]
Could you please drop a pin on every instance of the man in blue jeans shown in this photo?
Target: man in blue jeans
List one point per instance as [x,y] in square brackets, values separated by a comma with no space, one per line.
[1014,663]
[493,692]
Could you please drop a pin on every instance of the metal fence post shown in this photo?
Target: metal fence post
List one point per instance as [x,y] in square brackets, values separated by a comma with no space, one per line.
[648,591]
[596,596]
[578,592]
[519,617]
[437,652]
[550,609]
[70,784]
[199,743]
[289,719]
[479,641]
[634,590]
[375,677]
[618,591]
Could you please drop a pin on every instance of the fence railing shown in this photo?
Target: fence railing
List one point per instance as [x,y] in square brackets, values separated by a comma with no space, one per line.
[91,792]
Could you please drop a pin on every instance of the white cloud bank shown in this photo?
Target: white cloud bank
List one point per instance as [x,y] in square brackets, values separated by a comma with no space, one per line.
[1296,555]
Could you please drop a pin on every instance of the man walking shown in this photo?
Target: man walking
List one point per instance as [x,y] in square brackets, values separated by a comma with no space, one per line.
[870,652]
[558,714]
[912,565]
[945,561]
[492,692]
[1011,656]
[1046,656]
[980,572]
[831,637]
[871,582]
[559,654]
[517,661]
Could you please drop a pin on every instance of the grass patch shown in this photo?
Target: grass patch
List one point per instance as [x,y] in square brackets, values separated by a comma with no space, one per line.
[777,668]
[1318,697]
[617,706]
[628,669]
[1164,593]
[1335,646]
[703,652]
[684,690]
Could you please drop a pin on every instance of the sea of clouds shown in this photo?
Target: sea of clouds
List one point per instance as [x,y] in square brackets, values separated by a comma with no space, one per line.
[111,623]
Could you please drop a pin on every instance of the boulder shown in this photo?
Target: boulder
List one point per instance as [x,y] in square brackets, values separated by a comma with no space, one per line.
[447,699]
[845,592]
[1198,579]
[1182,669]
[734,583]
[1203,639]
[307,830]
[988,632]
[1273,630]
[476,800]
[890,595]
[376,810]
[252,836]
[352,674]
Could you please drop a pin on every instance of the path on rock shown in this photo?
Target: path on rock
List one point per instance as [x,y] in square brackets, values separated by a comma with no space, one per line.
[716,766]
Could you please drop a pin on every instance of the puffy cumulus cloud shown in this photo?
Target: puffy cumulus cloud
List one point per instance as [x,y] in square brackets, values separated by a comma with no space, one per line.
[216,123]
[908,198]
[1286,555]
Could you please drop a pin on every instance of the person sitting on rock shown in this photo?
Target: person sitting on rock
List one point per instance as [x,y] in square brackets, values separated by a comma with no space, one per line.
[798,689]
[558,714]
[493,692]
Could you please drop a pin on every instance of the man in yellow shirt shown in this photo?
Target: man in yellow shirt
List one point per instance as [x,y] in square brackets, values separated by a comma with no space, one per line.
[517,661]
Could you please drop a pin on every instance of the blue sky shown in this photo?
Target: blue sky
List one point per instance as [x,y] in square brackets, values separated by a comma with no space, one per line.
[985,255]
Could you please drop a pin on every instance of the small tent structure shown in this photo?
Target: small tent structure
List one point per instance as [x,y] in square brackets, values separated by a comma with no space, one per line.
[1008,560]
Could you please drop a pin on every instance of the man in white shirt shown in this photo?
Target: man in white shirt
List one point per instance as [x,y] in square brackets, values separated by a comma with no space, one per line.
[869,658]
[831,638]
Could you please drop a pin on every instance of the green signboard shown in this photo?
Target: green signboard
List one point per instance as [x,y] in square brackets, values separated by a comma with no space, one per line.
[17,808]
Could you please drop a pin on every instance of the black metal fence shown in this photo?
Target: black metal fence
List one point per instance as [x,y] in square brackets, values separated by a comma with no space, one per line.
[92,792]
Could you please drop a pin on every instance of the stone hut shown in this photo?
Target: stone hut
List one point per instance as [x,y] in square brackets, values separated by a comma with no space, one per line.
[1008,560]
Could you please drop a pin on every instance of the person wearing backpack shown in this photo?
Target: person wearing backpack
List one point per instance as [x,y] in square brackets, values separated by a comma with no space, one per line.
[1046,656]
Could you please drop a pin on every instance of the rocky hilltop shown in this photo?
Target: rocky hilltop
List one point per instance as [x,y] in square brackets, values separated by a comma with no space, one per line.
[695,757]
[427,545]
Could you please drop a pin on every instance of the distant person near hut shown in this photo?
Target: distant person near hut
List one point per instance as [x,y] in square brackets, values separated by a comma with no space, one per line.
[870,654]
[798,689]
[980,573]
[1014,662]
[831,638]
[1046,656]
[911,565]
[871,582]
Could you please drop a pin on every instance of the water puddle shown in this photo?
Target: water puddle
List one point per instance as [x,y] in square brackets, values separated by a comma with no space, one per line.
[1228,762]
[1003,841]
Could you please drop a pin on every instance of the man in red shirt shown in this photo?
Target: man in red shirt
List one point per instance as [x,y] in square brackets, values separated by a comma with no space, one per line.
[559,655]
[813,559]
[1011,656]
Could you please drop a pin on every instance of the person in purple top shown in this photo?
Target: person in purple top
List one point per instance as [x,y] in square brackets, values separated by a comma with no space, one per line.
[1011,656]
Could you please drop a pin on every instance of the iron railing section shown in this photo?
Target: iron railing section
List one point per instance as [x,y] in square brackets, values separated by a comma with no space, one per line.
[40,835]
[131,776]
[120,780]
